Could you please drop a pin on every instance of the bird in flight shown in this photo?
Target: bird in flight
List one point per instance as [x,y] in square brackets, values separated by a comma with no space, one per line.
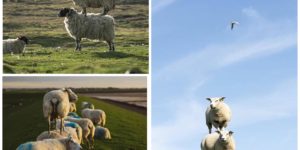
[233,23]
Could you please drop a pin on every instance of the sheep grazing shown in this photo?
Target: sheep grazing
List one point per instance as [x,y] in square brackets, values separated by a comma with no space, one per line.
[73,125]
[73,114]
[55,134]
[217,114]
[106,4]
[97,116]
[102,133]
[15,46]
[88,129]
[92,26]
[220,140]
[56,105]
[87,105]
[59,144]
[72,107]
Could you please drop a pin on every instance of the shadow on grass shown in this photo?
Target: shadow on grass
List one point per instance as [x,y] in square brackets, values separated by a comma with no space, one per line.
[48,41]
[117,55]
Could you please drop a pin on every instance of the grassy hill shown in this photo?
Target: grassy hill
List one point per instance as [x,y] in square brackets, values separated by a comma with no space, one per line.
[23,121]
[51,50]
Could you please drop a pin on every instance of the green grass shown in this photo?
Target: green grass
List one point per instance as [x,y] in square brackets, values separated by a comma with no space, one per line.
[23,121]
[51,50]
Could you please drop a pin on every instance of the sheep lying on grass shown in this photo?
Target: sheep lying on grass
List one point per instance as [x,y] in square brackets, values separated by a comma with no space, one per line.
[97,116]
[72,107]
[92,26]
[88,129]
[58,144]
[55,134]
[87,105]
[220,140]
[73,125]
[107,4]
[217,114]
[56,105]
[15,46]
[102,133]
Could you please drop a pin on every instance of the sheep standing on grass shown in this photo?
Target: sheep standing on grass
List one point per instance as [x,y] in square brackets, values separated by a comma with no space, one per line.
[97,116]
[56,105]
[58,144]
[55,134]
[220,140]
[88,129]
[106,4]
[15,46]
[102,133]
[92,26]
[218,114]
[73,125]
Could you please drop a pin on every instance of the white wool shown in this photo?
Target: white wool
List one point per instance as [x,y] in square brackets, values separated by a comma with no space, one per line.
[213,142]
[73,125]
[108,4]
[98,116]
[55,134]
[13,46]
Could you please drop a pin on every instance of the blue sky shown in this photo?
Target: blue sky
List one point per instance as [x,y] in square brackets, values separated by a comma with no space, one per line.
[195,55]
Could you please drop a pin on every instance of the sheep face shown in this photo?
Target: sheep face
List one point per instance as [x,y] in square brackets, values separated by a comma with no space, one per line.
[225,136]
[72,96]
[214,102]
[65,12]
[71,144]
[23,38]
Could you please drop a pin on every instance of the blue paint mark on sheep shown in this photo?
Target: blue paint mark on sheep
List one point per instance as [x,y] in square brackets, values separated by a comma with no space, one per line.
[73,114]
[99,133]
[71,124]
[25,146]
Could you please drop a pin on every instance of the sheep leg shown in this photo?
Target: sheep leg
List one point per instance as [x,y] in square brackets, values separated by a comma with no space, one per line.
[111,45]
[84,11]
[49,124]
[78,46]
[105,11]
[61,125]
[209,125]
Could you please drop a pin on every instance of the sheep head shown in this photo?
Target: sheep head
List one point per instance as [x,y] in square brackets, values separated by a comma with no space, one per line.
[65,12]
[225,136]
[214,102]
[23,38]
[72,96]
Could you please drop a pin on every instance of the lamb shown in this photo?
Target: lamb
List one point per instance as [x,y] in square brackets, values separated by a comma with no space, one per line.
[88,129]
[55,134]
[219,140]
[217,114]
[73,125]
[72,107]
[96,115]
[56,105]
[15,45]
[60,144]
[92,26]
[107,4]
[102,133]
[87,105]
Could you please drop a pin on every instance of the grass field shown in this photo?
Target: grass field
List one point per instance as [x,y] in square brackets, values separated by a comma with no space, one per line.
[51,50]
[23,121]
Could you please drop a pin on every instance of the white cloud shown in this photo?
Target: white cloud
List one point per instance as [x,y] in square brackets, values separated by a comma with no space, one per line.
[160,4]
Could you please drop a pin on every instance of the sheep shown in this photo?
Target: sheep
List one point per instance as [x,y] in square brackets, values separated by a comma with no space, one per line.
[59,144]
[96,115]
[56,105]
[15,45]
[72,107]
[219,140]
[55,134]
[73,125]
[217,114]
[87,105]
[73,114]
[107,5]
[88,129]
[102,133]
[92,26]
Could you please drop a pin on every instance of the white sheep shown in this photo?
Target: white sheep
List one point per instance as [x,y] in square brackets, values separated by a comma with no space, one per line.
[55,134]
[92,26]
[16,46]
[219,140]
[102,133]
[88,129]
[72,107]
[56,105]
[58,144]
[97,116]
[217,113]
[106,4]
[87,105]
[73,125]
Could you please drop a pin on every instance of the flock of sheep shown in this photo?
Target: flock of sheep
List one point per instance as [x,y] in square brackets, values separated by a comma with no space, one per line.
[218,115]
[79,25]
[66,129]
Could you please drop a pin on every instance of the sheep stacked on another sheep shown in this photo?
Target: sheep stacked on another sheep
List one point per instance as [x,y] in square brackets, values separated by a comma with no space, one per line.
[58,144]
[102,133]
[56,105]
[92,26]
[220,140]
[16,46]
[97,116]
[73,125]
[218,114]
[55,134]
[106,4]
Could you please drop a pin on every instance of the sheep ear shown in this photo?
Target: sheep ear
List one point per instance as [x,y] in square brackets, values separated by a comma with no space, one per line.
[231,132]
[222,98]
[218,131]
[208,99]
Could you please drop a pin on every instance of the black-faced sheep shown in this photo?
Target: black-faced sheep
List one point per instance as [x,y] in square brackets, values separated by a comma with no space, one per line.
[92,26]
[15,46]
[106,4]
[56,105]
[219,140]
[218,114]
